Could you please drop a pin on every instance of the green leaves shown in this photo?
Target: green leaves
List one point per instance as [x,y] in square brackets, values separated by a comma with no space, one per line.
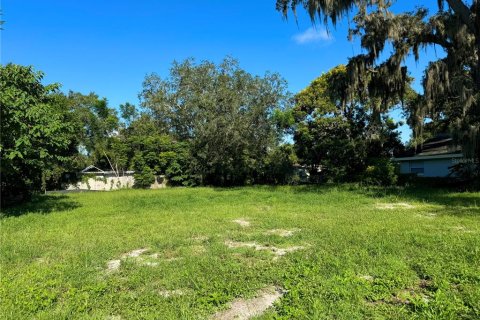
[223,112]
[35,133]
[338,136]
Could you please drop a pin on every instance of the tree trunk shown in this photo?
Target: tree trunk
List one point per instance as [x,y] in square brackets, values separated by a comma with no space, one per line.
[476,9]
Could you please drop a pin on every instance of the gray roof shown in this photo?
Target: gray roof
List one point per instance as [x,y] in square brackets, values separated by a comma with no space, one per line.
[440,146]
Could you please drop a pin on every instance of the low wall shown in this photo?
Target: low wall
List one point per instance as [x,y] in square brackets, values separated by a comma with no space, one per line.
[101,183]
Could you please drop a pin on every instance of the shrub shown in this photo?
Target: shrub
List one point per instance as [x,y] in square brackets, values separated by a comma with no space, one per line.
[145,178]
[279,166]
[381,172]
[466,173]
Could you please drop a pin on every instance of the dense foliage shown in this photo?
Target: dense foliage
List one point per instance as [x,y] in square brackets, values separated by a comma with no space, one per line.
[37,134]
[222,112]
[205,124]
[340,139]
[143,148]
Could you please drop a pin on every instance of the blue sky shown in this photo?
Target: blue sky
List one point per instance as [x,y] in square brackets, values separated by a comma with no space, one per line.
[109,46]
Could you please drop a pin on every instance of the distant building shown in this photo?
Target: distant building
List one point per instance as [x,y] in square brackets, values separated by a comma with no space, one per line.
[434,158]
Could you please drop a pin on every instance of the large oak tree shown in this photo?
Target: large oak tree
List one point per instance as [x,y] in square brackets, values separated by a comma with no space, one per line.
[222,111]
[451,84]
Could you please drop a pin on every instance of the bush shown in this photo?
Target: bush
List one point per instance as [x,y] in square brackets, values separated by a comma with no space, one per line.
[145,178]
[36,133]
[279,166]
[382,172]
[466,173]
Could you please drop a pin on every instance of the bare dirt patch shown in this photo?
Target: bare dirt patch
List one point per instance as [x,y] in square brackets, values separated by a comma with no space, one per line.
[134,253]
[366,278]
[461,229]
[200,238]
[198,250]
[41,260]
[241,309]
[171,293]
[392,206]
[242,222]
[114,265]
[137,256]
[282,232]
[427,215]
[148,263]
[276,251]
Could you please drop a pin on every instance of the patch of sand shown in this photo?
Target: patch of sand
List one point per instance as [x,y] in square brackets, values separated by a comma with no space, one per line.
[200,238]
[149,263]
[276,251]
[282,232]
[173,259]
[114,265]
[134,253]
[171,293]
[242,309]
[391,206]
[198,250]
[242,222]
[461,229]
[366,278]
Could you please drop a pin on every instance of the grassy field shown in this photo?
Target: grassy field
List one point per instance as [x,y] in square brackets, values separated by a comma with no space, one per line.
[350,253]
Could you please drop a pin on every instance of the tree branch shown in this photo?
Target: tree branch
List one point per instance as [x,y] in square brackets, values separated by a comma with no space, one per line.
[434,39]
[463,12]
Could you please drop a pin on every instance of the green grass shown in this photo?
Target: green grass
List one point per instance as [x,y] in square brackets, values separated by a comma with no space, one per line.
[359,261]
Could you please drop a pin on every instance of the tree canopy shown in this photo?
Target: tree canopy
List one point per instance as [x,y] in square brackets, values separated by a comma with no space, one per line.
[337,137]
[222,111]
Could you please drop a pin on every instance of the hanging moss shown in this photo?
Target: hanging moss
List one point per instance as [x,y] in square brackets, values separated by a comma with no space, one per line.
[451,85]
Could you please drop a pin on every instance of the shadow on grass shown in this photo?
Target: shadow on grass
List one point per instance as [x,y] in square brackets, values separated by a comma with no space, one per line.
[41,204]
[454,202]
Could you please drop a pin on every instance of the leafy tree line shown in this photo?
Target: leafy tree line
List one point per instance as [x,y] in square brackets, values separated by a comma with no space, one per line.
[216,124]
[36,132]
[205,124]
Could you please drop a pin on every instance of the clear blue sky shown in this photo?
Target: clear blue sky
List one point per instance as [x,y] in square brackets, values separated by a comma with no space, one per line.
[109,46]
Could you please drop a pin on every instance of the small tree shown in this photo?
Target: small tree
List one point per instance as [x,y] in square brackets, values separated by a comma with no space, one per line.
[144,177]
[37,135]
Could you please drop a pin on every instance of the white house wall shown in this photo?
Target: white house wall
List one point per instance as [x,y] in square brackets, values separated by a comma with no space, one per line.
[99,183]
[431,167]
